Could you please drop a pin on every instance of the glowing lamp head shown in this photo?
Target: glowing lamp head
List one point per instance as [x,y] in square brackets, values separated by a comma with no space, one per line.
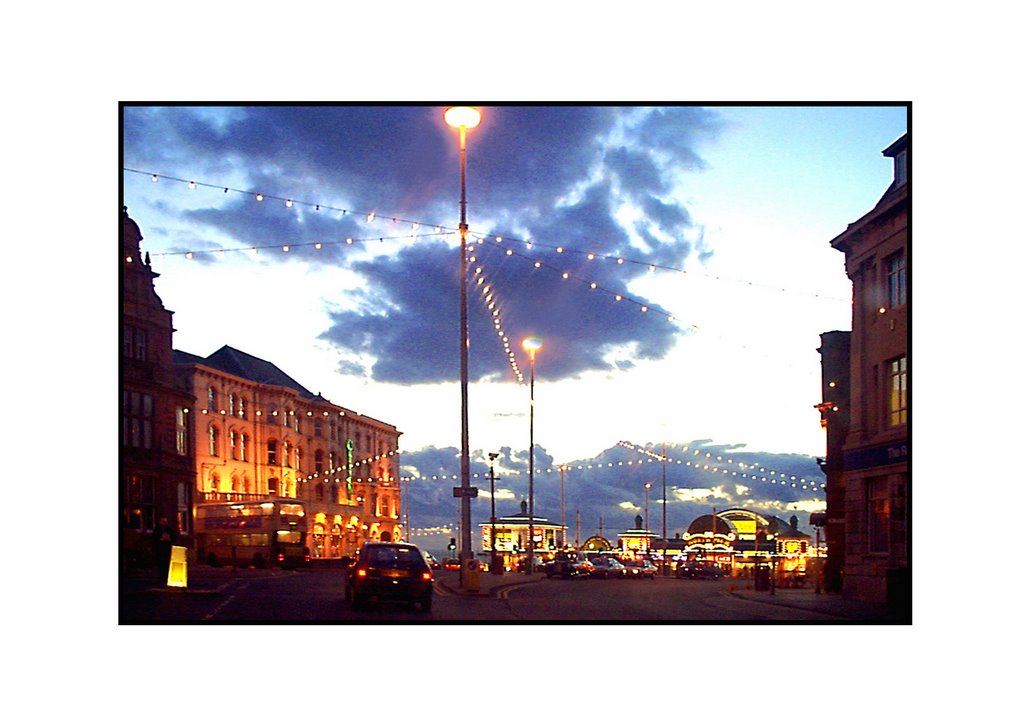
[462,117]
[531,344]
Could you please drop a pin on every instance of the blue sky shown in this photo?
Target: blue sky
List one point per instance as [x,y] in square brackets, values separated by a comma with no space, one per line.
[734,206]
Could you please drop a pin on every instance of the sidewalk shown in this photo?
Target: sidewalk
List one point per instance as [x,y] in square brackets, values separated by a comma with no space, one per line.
[806,599]
[488,584]
[492,585]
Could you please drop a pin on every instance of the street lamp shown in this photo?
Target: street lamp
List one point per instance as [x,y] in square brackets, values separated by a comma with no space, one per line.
[647,524]
[463,118]
[532,345]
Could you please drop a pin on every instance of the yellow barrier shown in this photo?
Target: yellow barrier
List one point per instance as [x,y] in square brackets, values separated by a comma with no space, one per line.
[177,572]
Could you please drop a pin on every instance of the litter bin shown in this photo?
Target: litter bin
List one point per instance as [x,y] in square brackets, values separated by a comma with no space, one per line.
[473,576]
[762,577]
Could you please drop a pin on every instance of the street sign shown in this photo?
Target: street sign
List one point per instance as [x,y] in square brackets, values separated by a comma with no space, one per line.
[470,491]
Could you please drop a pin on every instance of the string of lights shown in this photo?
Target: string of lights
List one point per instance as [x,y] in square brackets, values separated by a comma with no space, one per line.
[372,215]
[487,296]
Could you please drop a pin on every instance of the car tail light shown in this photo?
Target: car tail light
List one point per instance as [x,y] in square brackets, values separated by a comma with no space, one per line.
[280,557]
[361,573]
[427,576]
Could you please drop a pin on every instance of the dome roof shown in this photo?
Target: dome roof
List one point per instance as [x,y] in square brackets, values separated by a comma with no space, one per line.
[709,523]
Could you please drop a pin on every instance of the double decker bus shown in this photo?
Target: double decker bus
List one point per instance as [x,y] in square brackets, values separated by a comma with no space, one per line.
[258,532]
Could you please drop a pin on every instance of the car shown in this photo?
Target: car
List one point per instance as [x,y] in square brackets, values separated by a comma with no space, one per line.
[641,569]
[390,571]
[567,565]
[433,562]
[699,569]
[607,567]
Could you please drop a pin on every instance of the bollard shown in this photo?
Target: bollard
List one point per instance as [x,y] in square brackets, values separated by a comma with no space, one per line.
[177,571]
[473,576]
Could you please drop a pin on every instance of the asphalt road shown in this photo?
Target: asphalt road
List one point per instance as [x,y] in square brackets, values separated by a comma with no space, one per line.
[312,596]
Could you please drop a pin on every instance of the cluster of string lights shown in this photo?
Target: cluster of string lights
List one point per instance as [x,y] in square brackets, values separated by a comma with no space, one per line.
[753,471]
[488,298]
[415,230]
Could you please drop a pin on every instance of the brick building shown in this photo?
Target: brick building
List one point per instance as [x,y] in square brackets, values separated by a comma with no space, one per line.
[259,433]
[871,460]
[156,465]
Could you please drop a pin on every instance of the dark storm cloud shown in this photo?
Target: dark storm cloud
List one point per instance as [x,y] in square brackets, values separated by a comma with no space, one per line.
[558,175]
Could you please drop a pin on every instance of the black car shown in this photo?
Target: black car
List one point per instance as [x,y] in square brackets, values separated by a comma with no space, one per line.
[567,565]
[390,572]
[699,569]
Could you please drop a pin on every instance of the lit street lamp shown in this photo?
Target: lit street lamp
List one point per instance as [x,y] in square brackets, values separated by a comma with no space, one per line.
[532,345]
[647,525]
[463,118]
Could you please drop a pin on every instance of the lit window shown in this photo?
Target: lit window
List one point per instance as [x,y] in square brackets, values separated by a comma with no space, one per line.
[212,438]
[272,451]
[211,399]
[181,431]
[897,369]
[242,455]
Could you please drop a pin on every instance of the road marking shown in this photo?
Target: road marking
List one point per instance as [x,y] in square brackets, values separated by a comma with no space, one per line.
[221,605]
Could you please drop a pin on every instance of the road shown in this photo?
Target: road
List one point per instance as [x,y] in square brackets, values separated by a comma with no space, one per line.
[315,596]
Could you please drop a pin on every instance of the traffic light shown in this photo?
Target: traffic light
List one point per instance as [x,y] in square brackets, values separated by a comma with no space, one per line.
[451,544]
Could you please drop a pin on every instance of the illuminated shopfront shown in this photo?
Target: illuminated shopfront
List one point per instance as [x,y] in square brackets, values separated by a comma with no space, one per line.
[510,537]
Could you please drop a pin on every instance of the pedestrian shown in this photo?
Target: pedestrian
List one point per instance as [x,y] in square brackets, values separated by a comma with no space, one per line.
[164,536]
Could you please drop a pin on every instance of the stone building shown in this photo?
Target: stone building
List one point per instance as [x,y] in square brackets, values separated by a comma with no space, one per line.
[872,459]
[156,465]
[259,433]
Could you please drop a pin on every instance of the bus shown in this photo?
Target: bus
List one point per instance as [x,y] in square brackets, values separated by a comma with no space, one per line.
[258,532]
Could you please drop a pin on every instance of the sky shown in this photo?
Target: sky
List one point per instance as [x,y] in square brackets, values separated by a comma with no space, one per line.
[707,329]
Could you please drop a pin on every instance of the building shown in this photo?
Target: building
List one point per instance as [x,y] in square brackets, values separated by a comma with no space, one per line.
[835,419]
[156,464]
[871,461]
[509,534]
[259,433]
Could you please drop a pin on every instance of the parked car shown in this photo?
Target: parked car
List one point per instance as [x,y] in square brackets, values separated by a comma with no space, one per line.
[390,572]
[641,569]
[567,565]
[607,567]
[699,569]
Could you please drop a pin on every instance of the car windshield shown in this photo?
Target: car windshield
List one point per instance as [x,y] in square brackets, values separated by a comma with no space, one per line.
[393,557]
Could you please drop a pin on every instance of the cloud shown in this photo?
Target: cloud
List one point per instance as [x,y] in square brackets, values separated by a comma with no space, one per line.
[592,179]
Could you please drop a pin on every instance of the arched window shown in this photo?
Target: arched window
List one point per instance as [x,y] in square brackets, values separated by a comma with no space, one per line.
[233,443]
[211,398]
[212,435]
[242,452]
[272,451]
[286,451]
[231,403]
[241,407]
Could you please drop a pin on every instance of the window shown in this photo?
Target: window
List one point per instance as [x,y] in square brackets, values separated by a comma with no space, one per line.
[242,454]
[317,428]
[241,407]
[133,344]
[900,168]
[897,408]
[318,460]
[878,502]
[233,444]
[211,399]
[212,436]
[896,276]
[180,431]
[137,419]
[286,453]
[272,451]
[231,404]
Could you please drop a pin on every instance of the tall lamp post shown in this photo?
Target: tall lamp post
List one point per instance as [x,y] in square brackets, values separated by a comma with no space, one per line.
[463,118]
[532,345]
[647,522]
